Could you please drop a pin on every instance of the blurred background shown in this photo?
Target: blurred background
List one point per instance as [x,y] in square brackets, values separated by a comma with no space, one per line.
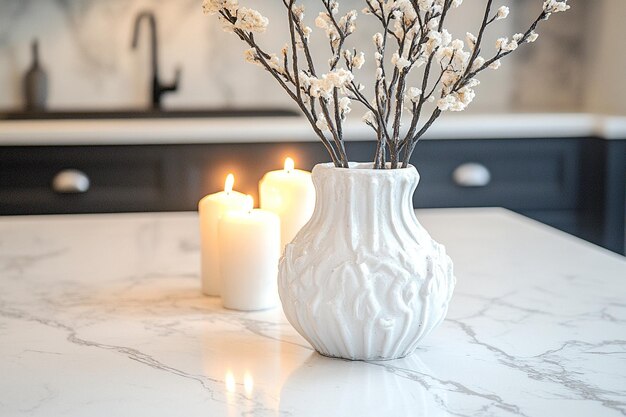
[85,48]
[545,135]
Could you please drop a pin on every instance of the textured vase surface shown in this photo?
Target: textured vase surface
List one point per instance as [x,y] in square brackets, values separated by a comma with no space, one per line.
[363,279]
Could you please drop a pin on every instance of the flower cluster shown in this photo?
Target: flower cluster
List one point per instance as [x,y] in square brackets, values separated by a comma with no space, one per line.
[216,6]
[555,6]
[412,36]
[235,17]
[325,86]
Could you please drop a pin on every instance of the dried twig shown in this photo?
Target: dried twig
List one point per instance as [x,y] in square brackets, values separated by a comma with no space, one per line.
[418,28]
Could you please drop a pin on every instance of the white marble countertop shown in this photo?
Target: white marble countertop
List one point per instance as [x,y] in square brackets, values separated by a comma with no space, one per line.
[234,130]
[101,315]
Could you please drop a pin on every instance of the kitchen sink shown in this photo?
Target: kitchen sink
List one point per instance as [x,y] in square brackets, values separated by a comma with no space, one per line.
[147,114]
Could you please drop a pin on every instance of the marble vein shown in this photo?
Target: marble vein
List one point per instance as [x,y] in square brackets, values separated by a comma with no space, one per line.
[429,382]
[131,353]
[561,376]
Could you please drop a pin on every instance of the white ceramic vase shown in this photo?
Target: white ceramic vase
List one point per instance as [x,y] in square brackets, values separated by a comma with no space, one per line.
[363,279]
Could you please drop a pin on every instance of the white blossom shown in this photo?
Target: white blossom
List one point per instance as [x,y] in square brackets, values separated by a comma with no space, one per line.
[504,44]
[344,106]
[400,62]
[250,20]
[304,80]
[276,64]
[358,60]
[425,5]
[340,77]
[244,18]
[250,56]
[437,39]
[298,12]
[449,78]
[457,101]
[471,40]
[555,6]
[306,32]
[453,55]
[324,21]
[495,64]
[214,6]
[325,85]
[348,22]
[478,63]
[370,119]
[446,103]
[378,40]
[334,7]
[437,7]
[472,83]
[503,12]
[413,94]
[532,37]
[322,123]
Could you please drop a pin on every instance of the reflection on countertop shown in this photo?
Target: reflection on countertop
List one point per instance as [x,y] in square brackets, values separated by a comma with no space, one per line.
[405,387]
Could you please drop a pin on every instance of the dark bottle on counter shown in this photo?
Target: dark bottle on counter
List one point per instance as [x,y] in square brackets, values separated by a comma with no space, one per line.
[35,83]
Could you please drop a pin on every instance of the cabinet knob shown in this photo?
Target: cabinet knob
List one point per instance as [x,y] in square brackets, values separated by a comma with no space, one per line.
[471,174]
[70,181]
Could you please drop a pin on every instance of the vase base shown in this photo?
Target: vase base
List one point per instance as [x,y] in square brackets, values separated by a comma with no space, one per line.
[372,359]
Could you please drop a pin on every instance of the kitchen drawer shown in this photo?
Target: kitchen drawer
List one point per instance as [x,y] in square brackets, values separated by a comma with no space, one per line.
[82,180]
[525,174]
[528,174]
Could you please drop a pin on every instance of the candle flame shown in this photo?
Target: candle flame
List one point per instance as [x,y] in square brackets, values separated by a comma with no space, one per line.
[249,204]
[289,165]
[228,184]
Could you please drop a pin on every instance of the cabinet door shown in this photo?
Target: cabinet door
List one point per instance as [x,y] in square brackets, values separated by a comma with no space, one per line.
[530,174]
[89,179]
[540,178]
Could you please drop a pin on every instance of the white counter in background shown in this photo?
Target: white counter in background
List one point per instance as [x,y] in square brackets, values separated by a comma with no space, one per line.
[241,130]
[102,315]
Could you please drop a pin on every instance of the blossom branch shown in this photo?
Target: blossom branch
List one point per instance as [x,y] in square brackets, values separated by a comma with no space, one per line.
[418,26]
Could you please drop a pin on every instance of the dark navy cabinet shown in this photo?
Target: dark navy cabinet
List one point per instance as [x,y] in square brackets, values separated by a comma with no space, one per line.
[575,184]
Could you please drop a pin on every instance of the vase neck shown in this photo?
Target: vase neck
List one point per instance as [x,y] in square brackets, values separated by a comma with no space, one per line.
[361,203]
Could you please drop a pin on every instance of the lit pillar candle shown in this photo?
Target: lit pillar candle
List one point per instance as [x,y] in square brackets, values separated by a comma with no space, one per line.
[211,208]
[249,251]
[290,194]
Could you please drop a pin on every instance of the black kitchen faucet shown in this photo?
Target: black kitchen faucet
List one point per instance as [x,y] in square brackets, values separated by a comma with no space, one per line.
[158,89]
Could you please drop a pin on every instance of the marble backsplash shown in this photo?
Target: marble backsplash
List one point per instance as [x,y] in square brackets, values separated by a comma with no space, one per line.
[85,48]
